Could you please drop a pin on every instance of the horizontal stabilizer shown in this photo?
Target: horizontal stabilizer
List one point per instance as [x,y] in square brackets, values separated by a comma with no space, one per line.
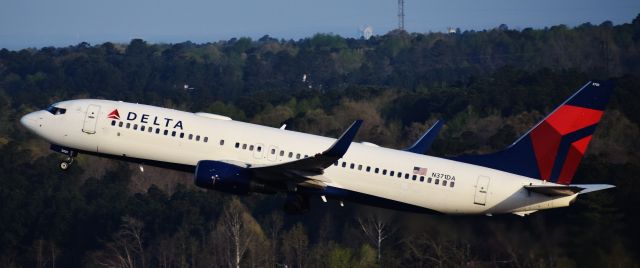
[566,190]
[524,213]
[424,143]
[554,190]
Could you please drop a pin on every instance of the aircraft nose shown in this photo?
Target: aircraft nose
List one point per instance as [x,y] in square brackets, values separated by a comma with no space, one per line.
[29,121]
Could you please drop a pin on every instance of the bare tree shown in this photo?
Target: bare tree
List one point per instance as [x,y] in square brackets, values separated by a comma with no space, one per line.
[376,230]
[273,226]
[236,229]
[295,245]
[43,258]
[126,249]
[425,250]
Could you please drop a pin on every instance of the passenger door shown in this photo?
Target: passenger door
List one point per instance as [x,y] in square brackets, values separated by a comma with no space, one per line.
[482,187]
[91,119]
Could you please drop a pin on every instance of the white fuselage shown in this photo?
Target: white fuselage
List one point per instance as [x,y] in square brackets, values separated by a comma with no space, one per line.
[447,186]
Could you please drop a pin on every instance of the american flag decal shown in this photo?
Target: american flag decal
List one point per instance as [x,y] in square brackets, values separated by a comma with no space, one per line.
[420,171]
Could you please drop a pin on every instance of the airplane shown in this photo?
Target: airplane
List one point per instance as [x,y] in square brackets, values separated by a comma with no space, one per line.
[534,173]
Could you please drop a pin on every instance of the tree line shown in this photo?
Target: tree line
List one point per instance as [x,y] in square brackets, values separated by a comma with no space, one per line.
[490,86]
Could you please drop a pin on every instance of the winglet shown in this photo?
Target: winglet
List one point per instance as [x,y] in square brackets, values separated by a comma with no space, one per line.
[423,144]
[340,147]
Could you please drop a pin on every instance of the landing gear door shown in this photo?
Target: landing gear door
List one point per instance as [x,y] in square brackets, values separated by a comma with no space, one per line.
[482,187]
[91,119]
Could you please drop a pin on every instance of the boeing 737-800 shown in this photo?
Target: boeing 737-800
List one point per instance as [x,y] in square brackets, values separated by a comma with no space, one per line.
[534,173]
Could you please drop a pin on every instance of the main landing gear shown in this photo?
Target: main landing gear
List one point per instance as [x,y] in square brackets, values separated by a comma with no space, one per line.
[66,164]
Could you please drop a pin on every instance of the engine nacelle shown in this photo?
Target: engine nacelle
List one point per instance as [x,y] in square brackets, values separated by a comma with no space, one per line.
[223,177]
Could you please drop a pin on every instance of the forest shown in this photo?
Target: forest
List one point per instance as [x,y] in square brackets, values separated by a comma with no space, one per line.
[490,86]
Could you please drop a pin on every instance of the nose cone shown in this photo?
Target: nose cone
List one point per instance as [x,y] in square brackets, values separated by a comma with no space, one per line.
[29,121]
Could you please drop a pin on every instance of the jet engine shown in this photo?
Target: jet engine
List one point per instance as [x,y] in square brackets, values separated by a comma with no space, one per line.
[228,178]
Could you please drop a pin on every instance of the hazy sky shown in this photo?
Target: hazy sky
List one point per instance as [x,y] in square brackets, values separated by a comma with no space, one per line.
[29,23]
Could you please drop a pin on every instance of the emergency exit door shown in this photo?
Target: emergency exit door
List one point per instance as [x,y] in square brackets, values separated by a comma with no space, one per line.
[482,187]
[91,119]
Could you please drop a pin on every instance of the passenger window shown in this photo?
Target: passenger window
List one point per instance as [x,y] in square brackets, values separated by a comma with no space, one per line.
[206,139]
[244,146]
[120,124]
[384,172]
[297,156]
[359,167]
[250,147]
[437,181]
[173,133]
[166,132]
[414,177]
[305,156]
[429,180]
[281,153]
[391,173]
[377,170]
[273,151]
[190,136]
[157,131]
[142,128]
[352,166]
[237,145]
[451,184]
[150,129]
[290,154]
[197,137]
[113,122]
[368,169]
[421,178]
[344,164]
[222,143]
[444,183]
[128,125]
[399,174]
[135,126]
[335,163]
[182,135]
[259,149]
[406,175]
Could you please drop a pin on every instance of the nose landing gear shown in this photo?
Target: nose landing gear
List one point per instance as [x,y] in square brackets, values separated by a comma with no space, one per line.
[66,164]
[70,153]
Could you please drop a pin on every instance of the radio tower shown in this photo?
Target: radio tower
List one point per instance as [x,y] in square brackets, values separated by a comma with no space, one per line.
[401,15]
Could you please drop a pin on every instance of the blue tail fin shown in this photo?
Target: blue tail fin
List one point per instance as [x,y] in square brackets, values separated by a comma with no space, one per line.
[553,149]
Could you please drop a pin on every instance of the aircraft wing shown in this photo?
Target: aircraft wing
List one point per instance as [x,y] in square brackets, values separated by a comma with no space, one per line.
[423,144]
[309,169]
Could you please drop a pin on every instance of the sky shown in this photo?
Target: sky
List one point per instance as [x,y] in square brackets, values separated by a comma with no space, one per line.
[38,23]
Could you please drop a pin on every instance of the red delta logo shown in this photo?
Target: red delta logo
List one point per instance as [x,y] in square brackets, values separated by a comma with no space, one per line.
[114,114]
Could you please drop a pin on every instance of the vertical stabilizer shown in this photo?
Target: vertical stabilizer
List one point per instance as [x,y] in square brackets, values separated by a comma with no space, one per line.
[553,149]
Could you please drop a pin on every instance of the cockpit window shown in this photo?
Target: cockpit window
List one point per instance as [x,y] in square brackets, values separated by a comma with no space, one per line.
[56,111]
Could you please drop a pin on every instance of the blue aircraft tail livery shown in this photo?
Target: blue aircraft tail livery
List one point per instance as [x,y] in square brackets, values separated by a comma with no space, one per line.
[552,150]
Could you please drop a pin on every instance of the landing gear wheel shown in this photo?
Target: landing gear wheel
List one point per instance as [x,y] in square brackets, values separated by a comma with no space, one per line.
[64,165]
